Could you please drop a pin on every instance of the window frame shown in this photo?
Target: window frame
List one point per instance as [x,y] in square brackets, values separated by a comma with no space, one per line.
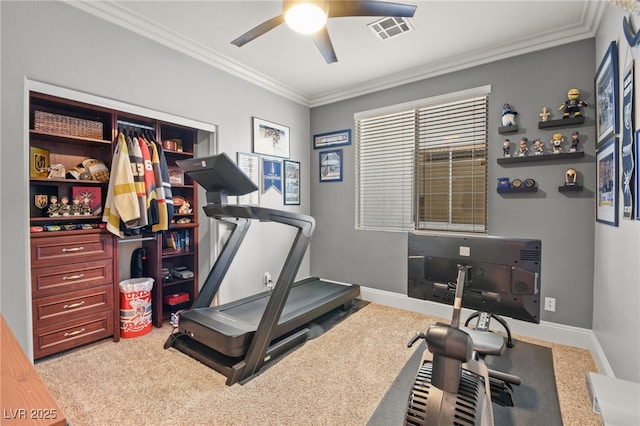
[365,221]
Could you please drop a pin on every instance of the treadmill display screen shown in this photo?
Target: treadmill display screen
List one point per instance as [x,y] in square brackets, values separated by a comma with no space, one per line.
[218,173]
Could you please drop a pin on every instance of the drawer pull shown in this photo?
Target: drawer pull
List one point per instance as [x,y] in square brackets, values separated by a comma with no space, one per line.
[74,333]
[74,305]
[72,249]
[73,277]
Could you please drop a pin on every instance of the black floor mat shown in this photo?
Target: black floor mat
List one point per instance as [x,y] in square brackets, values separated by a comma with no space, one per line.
[535,400]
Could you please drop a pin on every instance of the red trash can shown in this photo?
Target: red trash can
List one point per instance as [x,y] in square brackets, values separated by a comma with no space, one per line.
[135,307]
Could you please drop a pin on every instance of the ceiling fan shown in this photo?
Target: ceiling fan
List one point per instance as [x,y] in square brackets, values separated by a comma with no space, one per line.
[318,12]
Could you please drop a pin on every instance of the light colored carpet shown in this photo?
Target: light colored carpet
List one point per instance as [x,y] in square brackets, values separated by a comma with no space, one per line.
[337,379]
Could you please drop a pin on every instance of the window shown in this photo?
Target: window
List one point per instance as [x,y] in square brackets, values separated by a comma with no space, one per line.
[423,165]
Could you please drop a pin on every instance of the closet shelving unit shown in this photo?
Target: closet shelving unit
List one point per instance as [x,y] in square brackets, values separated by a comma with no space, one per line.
[74,261]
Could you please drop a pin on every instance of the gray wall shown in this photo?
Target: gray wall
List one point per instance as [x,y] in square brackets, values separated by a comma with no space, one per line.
[616,322]
[58,44]
[563,222]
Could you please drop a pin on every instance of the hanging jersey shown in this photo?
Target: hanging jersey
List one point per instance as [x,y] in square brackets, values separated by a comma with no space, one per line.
[150,184]
[121,202]
[137,169]
[163,222]
[166,183]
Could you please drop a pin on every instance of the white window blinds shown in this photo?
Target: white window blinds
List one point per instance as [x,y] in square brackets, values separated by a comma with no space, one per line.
[423,168]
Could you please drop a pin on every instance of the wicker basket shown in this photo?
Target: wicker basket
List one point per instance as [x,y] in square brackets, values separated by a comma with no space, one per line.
[69,126]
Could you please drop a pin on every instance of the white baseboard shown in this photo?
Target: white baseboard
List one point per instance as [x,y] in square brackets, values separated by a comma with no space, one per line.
[549,331]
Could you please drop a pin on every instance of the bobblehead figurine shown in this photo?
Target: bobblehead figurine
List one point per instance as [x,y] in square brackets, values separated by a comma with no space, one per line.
[508,116]
[506,148]
[523,148]
[573,104]
[575,140]
[556,143]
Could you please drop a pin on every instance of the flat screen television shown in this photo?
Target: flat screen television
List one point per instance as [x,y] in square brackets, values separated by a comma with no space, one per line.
[503,276]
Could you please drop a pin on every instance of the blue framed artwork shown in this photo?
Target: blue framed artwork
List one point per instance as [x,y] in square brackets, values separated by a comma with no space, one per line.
[607,182]
[626,145]
[291,182]
[271,175]
[607,95]
[331,165]
[327,140]
[637,175]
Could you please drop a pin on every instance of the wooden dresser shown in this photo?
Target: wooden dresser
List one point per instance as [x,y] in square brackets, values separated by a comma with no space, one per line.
[26,400]
[73,290]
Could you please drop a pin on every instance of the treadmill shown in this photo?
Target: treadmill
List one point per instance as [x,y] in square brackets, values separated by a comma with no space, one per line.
[239,338]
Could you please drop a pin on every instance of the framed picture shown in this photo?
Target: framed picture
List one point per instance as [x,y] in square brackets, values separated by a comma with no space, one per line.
[250,165]
[607,95]
[607,182]
[271,175]
[327,140]
[637,175]
[91,195]
[270,138]
[331,166]
[176,175]
[291,182]
[38,162]
[626,144]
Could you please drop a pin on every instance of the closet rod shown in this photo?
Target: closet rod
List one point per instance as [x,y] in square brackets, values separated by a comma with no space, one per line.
[134,239]
[141,126]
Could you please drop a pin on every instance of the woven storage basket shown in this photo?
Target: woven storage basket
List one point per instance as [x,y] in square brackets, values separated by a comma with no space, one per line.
[64,125]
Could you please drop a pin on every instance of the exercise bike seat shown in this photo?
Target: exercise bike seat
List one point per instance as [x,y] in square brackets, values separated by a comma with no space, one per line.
[486,342]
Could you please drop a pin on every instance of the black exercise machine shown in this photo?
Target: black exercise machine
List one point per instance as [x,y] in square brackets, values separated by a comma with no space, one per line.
[238,338]
[453,385]
[493,275]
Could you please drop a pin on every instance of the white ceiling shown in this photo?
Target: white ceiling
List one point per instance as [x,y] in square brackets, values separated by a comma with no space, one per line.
[447,36]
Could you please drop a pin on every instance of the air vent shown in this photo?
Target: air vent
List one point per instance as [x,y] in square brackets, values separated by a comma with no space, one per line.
[532,255]
[387,28]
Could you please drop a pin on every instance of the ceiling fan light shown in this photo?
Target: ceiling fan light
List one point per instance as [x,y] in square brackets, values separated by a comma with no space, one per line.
[305,17]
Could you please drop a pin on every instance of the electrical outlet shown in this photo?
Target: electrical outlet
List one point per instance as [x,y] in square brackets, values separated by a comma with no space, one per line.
[550,304]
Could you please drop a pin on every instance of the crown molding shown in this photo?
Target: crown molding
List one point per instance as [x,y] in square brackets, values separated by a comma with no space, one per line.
[122,17]
[118,15]
[587,28]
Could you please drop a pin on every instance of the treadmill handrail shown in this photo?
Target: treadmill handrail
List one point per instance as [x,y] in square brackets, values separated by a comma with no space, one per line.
[305,222]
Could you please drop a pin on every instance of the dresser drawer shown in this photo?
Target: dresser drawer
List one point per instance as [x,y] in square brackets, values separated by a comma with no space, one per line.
[53,339]
[75,276]
[69,306]
[59,250]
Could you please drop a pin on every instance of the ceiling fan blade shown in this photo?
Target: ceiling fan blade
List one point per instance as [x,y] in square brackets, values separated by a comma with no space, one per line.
[258,31]
[370,8]
[323,41]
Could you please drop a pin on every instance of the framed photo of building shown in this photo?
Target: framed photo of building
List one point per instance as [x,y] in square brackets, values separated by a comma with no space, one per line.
[270,138]
[291,185]
[607,95]
[607,182]
[331,166]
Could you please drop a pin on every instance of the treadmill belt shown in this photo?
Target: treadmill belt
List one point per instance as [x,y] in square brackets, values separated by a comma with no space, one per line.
[228,328]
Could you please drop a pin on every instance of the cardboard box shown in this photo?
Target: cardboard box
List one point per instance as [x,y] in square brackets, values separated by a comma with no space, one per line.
[176,298]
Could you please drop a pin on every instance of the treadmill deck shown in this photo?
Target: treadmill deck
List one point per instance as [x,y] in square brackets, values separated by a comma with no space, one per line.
[229,328]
